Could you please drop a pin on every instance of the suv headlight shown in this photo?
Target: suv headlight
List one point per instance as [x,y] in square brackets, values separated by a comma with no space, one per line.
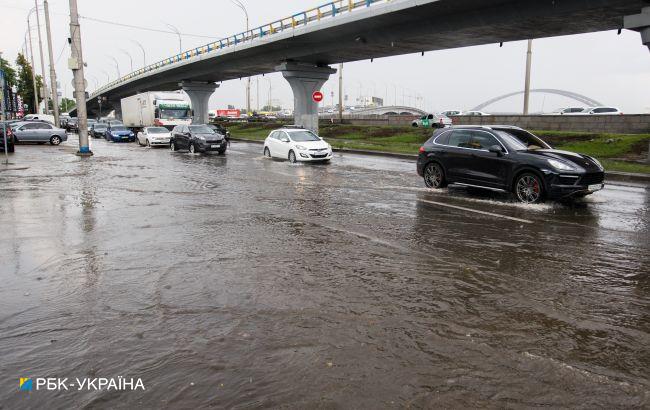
[300,147]
[562,166]
[201,138]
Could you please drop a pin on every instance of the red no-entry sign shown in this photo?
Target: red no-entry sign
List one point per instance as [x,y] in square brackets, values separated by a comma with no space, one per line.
[317,96]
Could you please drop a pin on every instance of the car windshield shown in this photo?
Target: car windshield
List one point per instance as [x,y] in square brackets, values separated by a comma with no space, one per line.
[91,121]
[303,136]
[201,129]
[99,126]
[157,130]
[118,128]
[521,140]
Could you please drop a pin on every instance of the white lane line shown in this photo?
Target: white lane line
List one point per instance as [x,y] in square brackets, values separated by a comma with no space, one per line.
[460,208]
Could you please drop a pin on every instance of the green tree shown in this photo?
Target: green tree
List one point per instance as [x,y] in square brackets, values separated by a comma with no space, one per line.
[66,104]
[25,83]
[10,72]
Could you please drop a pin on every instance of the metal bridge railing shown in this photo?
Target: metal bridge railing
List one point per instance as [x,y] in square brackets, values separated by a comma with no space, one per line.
[329,10]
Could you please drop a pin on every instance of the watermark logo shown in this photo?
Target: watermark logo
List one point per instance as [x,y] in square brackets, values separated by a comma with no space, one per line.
[26,384]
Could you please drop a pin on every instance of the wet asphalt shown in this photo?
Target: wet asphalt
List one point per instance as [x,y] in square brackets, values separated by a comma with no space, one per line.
[242,282]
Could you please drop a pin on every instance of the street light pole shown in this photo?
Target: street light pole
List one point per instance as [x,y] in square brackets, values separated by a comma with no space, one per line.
[40,47]
[31,52]
[341,93]
[77,65]
[239,4]
[117,66]
[55,94]
[529,60]
[144,54]
[128,55]
[180,38]
[108,77]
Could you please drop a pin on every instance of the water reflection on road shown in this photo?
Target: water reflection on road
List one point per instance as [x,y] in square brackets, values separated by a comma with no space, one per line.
[241,281]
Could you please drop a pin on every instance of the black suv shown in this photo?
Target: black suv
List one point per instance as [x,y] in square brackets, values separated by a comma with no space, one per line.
[509,159]
[197,138]
[10,138]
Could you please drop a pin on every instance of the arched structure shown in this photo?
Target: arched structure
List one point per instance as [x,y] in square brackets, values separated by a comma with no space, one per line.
[574,96]
[389,110]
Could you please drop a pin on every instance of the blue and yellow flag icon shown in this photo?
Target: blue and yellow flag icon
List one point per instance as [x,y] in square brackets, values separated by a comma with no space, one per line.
[25,384]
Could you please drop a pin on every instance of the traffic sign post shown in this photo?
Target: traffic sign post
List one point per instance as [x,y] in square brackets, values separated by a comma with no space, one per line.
[317,96]
[4,115]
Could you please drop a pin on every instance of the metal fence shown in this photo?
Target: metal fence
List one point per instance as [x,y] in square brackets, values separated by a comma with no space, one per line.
[329,10]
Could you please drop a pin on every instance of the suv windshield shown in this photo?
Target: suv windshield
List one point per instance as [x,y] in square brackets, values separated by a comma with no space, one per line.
[157,130]
[201,129]
[303,136]
[521,140]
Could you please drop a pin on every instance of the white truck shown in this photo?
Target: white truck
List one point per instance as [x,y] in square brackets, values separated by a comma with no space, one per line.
[156,109]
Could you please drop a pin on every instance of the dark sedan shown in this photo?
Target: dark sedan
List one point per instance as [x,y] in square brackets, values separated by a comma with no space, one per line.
[197,138]
[98,130]
[509,159]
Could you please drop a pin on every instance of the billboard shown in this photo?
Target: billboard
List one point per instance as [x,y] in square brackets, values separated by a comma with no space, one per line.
[229,113]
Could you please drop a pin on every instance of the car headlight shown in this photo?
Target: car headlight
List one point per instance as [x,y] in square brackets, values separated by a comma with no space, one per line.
[301,147]
[131,134]
[559,165]
[201,138]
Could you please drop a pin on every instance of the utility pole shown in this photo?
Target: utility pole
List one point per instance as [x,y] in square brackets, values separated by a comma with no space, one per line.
[46,105]
[55,94]
[31,52]
[529,61]
[341,93]
[76,64]
[257,87]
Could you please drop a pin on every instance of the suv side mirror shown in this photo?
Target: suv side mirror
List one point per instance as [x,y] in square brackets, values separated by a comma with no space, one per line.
[284,139]
[497,149]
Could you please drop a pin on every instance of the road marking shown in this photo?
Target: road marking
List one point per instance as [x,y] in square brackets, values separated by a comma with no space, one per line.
[460,208]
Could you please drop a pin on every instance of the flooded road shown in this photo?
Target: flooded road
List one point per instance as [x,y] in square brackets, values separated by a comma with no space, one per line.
[243,282]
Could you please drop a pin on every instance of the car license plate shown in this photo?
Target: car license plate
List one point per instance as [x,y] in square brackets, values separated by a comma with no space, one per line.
[214,146]
[594,188]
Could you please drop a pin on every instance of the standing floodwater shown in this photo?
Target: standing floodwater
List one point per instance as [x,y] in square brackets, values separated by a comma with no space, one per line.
[238,281]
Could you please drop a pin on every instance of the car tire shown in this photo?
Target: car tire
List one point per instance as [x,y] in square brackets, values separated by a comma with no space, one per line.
[267,152]
[148,144]
[434,176]
[529,188]
[415,125]
[292,157]
[192,148]
[55,140]
[172,146]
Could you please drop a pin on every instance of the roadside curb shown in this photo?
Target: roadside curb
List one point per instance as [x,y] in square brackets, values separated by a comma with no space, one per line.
[610,175]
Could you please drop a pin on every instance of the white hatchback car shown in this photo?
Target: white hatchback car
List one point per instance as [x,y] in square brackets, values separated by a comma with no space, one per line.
[154,137]
[297,144]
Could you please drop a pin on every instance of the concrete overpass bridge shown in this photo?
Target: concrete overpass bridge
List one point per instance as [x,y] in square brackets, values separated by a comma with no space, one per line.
[303,46]
[388,110]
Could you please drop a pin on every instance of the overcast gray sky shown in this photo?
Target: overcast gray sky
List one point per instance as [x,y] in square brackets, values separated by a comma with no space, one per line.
[604,66]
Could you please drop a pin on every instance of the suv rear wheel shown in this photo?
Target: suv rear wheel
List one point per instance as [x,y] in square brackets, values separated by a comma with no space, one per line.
[434,176]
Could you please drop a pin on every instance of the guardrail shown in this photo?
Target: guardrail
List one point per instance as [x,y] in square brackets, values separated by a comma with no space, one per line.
[329,10]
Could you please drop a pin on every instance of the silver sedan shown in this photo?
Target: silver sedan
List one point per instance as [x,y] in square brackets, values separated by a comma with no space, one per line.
[40,132]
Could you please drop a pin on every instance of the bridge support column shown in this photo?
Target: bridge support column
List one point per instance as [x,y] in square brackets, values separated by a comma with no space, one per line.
[640,23]
[199,94]
[304,80]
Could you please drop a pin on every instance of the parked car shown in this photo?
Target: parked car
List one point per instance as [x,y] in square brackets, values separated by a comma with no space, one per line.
[154,136]
[37,131]
[72,125]
[221,130]
[432,121]
[98,130]
[90,124]
[119,133]
[509,159]
[476,114]
[42,117]
[10,138]
[197,138]
[601,111]
[568,111]
[452,113]
[297,144]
